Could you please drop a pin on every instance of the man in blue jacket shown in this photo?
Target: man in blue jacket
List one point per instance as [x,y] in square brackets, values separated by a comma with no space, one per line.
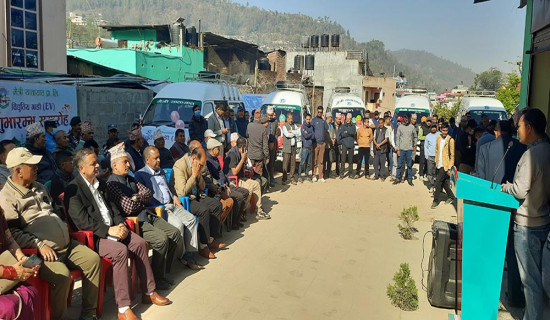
[307,132]
[320,127]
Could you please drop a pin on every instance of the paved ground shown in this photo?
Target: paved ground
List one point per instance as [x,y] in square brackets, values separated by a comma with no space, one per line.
[328,252]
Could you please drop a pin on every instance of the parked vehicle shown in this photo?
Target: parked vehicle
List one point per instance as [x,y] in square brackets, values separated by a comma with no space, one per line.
[172,107]
[343,101]
[288,98]
[478,106]
[416,103]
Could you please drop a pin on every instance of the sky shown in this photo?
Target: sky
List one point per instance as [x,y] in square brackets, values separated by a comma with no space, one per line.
[476,36]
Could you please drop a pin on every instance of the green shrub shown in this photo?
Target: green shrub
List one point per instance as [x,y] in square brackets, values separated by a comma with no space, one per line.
[403,292]
[408,217]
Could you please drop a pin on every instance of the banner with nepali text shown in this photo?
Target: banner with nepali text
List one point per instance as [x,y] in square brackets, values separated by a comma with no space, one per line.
[22,104]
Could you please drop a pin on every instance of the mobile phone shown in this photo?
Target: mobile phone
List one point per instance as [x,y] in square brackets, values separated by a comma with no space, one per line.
[32,261]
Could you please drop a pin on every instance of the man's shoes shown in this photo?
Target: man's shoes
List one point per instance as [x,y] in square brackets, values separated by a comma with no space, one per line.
[341,177]
[263,216]
[431,190]
[127,315]
[396,181]
[273,181]
[322,180]
[168,280]
[314,179]
[382,179]
[161,284]
[155,299]
[191,264]
[411,183]
[392,179]
[368,177]
[215,245]
[307,180]
[293,182]
[300,180]
[206,253]
[449,201]
[434,205]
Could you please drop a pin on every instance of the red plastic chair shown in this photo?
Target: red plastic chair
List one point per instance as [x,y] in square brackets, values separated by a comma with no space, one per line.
[43,288]
[106,273]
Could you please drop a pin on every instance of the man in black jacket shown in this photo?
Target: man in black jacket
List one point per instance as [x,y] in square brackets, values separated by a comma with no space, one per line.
[347,140]
[198,125]
[88,210]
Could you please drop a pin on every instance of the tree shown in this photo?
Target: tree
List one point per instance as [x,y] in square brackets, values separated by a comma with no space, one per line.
[443,111]
[509,94]
[489,80]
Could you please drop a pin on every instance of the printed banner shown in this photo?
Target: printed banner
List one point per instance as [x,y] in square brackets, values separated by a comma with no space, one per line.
[22,104]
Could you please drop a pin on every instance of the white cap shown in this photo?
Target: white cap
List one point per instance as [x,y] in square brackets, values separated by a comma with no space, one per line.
[34,129]
[213,143]
[19,156]
[270,110]
[209,133]
[234,136]
[158,134]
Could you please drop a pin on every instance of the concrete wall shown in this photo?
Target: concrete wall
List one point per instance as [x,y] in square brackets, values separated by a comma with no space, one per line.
[54,34]
[331,70]
[374,85]
[277,60]
[539,89]
[104,106]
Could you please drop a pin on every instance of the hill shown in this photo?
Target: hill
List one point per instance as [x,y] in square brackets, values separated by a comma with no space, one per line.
[442,73]
[269,29]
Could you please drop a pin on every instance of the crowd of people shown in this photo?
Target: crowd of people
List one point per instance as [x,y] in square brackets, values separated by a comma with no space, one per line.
[62,181]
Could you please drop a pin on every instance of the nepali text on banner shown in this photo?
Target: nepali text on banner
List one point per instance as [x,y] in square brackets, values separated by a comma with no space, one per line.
[22,104]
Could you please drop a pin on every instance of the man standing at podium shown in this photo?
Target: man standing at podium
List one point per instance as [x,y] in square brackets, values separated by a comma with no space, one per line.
[531,187]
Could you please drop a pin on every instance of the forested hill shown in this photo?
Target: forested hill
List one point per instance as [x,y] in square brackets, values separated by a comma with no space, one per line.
[269,29]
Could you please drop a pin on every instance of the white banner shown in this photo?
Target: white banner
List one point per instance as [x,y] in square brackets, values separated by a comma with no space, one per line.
[22,104]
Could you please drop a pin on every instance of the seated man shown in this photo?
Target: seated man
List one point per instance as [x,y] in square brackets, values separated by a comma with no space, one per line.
[154,178]
[239,195]
[235,164]
[179,148]
[187,180]
[212,187]
[130,197]
[85,198]
[166,159]
[36,144]
[29,212]
[134,146]
[63,174]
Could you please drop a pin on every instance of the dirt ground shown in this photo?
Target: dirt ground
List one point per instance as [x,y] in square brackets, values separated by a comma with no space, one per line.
[329,252]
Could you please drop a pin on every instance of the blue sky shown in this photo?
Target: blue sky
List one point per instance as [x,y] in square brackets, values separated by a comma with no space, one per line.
[476,36]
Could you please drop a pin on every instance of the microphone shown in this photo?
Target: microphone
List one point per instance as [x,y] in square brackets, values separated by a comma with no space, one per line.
[510,144]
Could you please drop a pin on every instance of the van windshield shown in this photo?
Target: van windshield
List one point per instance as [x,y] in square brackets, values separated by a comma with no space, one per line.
[284,110]
[354,112]
[160,111]
[493,115]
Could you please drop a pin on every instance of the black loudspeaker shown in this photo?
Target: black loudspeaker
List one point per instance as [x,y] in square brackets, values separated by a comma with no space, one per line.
[442,266]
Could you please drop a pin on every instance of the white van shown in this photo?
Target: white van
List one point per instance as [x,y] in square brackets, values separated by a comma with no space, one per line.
[288,98]
[418,104]
[172,107]
[343,101]
[480,106]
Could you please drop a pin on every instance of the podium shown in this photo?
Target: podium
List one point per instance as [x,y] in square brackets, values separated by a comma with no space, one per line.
[483,219]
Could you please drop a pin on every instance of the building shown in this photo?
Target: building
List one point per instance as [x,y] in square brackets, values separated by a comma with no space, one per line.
[331,69]
[77,19]
[158,52]
[35,35]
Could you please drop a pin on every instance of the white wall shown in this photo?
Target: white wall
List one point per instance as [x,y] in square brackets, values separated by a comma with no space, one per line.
[331,70]
[54,31]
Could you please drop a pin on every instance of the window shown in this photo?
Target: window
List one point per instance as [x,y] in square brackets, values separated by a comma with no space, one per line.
[24,28]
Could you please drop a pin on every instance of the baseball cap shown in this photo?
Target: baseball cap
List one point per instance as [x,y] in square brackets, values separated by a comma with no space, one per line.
[209,133]
[50,124]
[400,118]
[19,156]
[75,120]
[213,143]
[112,127]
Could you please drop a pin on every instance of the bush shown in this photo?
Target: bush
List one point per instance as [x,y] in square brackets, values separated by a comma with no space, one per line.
[403,293]
[408,217]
